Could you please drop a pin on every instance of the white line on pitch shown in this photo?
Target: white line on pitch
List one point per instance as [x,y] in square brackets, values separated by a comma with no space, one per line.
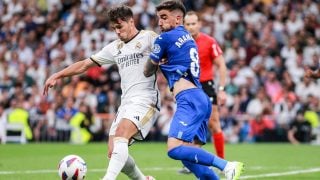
[281,173]
[43,171]
[168,169]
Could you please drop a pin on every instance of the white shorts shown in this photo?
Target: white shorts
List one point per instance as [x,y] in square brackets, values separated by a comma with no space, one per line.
[143,116]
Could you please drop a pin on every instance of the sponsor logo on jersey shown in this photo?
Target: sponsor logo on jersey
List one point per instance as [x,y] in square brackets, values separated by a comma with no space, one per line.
[138,45]
[183,123]
[120,45]
[129,60]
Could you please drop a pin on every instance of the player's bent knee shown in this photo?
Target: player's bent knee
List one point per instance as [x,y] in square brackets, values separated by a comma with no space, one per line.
[175,153]
[126,129]
[173,142]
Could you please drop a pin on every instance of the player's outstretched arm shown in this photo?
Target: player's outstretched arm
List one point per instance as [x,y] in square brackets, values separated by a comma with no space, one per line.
[74,69]
[150,68]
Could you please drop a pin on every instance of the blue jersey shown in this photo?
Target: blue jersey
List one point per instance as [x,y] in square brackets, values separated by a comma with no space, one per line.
[180,50]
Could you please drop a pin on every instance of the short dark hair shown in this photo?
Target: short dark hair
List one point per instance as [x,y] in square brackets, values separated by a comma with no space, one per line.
[172,5]
[122,12]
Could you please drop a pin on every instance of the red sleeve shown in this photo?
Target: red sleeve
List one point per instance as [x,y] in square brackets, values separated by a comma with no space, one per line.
[216,50]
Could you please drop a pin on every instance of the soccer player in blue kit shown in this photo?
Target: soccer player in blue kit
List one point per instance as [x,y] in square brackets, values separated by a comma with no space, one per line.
[175,52]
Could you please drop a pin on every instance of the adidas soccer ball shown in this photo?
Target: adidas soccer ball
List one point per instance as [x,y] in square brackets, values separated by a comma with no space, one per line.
[72,167]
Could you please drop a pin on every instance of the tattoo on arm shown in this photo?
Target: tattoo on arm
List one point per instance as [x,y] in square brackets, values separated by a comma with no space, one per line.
[150,68]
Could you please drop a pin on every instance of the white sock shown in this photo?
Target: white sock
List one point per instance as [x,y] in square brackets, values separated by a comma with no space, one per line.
[118,158]
[132,170]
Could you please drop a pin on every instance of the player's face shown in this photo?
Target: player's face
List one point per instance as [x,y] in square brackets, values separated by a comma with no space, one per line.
[123,29]
[167,20]
[192,24]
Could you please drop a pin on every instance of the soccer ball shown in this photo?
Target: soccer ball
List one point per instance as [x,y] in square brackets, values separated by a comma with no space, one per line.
[72,167]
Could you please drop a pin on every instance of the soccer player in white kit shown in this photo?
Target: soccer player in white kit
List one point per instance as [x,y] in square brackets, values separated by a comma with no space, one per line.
[140,99]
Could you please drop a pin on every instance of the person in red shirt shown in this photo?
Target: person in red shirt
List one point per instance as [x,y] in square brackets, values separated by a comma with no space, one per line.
[210,54]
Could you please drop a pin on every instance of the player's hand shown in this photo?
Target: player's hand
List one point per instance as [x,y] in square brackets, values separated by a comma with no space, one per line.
[222,97]
[50,82]
[163,61]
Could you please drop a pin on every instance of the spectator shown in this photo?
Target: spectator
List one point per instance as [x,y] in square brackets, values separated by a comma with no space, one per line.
[38,38]
[263,58]
[64,115]
[164,122]
[300,130]
[3,120]
[80,124]
[256,105]
[51,121]
[306,88]
[229,125]
[261,128]
[21,116]
[310,50]
[273,87]
[235,53]
[294,24]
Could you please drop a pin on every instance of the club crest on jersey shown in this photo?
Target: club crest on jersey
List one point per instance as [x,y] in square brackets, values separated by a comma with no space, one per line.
[138,45]
[120,45]
[156,48]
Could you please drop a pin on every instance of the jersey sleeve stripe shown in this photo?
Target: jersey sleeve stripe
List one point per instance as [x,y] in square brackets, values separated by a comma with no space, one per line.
[95,61]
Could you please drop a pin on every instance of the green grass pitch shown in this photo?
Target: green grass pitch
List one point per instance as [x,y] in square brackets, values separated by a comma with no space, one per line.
[262,161]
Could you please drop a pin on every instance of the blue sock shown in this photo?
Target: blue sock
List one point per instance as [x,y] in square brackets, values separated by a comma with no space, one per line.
[219,163]
[197,155]
[200,171]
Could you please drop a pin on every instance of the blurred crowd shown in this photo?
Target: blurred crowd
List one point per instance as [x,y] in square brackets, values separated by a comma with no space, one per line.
[267,45]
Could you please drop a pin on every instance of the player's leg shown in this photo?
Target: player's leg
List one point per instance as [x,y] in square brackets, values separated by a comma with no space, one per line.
[144,121]
[190,122]
[200,171]
[129,168]
[132,170]
[119,149]
[178,150]
[216,131]
[214,121]
[135,122]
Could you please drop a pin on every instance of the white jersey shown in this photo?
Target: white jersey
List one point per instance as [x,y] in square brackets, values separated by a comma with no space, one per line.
[130,58]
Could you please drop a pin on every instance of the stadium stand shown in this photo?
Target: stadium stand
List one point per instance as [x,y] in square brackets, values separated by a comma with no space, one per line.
[267,45]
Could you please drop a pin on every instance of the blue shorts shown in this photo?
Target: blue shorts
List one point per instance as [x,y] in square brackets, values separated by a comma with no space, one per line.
[190,121]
